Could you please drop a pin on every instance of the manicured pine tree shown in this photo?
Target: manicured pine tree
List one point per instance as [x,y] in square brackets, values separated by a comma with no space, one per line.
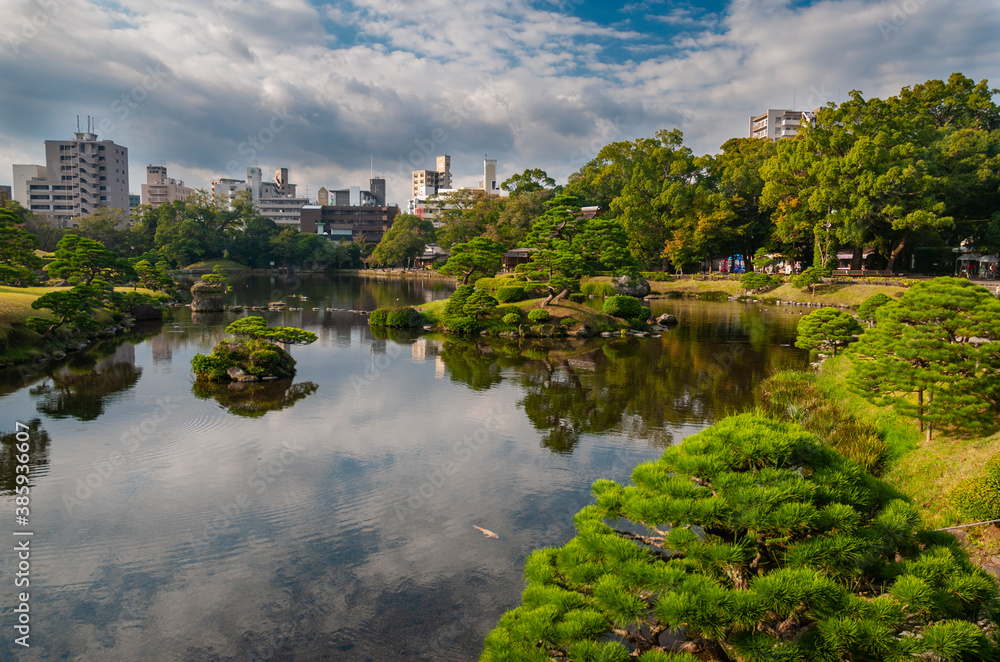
[750,541]
[935,355]
[827,328]
[866,311]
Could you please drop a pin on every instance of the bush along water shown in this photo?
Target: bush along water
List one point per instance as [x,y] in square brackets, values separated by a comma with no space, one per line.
[253,354]
[403,317]
[750,541]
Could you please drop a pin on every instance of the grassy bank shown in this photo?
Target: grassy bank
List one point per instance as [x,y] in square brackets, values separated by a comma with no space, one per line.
[19,343]
[926,471]
[832,294]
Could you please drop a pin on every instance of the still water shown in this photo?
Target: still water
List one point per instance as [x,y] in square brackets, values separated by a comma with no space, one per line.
[332,517]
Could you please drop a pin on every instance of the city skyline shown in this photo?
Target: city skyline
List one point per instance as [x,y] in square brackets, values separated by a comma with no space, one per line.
[325,89]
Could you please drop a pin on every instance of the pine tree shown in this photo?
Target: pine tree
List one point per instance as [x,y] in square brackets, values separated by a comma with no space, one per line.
[750,541]
[935,355]
[827,328]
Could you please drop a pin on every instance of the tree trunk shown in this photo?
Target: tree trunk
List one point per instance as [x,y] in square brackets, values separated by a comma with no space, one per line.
[896,252]
[547,299]
[920,407]
[560,295]
[858,257]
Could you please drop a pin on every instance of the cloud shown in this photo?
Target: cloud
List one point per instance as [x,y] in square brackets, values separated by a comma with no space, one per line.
[533,84]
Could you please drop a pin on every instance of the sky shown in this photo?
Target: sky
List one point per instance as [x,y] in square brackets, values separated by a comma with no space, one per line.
[336,90]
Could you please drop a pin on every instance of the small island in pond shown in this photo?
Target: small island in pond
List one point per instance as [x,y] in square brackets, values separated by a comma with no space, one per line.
[254,355]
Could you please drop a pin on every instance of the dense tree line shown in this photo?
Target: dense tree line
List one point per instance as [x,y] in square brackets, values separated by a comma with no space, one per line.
[909,176]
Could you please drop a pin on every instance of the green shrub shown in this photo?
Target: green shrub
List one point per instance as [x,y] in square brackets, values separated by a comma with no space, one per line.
[512,319]
[378,317]
[597,289]
[713,295]
[503,311]
[539,315]
[403,318]
[578,297]
[754,282]
[567,322]
[488,283]
[866,311]
[510,294]
[625,307]
[479,304]
[462,324]
[978,499]
[456,302]
[256,357]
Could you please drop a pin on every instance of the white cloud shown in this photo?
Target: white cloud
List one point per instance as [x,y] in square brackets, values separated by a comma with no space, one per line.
[534,87]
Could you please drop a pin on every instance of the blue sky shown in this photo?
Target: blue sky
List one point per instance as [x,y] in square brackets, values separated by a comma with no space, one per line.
[200,85]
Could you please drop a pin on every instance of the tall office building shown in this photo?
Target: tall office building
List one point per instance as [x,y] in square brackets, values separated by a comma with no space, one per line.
[80,176]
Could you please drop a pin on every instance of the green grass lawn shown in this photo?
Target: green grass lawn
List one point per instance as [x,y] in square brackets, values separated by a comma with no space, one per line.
[222,262]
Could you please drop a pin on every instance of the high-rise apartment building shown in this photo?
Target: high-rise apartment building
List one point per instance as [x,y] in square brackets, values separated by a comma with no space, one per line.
[777,124]
[160,189]
[79,177]
[275,200]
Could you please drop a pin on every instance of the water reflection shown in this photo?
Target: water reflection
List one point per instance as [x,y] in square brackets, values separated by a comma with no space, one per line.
[38,455]
[81,387]
[254,399]
[700,371]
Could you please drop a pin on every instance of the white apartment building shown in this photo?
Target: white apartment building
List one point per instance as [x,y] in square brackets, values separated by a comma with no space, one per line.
[80,176]
[776,124]
[275,200]
[160,189]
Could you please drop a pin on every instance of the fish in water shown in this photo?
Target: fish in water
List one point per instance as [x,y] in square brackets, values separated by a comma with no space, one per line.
[486,532]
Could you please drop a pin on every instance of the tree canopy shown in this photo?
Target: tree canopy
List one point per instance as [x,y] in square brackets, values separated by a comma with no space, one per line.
[935,354]
[749,541]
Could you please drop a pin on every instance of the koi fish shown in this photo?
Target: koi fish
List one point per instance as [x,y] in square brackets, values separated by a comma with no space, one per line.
[486,532]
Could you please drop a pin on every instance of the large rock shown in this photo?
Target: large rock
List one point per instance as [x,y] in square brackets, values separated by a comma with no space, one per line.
[240,375]
[666,319]
[637,287]
[208,305]
[202,288]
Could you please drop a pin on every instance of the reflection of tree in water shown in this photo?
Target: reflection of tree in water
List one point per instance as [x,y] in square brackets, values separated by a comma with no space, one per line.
[641,388]
[471,363]
[81,387]
[38,455]
[254,399]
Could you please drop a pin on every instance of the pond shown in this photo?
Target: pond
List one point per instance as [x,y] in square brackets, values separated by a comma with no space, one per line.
[332,516]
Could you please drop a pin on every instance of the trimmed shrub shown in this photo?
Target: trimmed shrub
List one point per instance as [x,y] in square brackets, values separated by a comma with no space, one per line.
[503,311]
[622,306]
[462,324]
[577,297]
[456,302]
[404,317]
[567,322]
[378,317]
[754,282]
[597,289]
[866,311]
[487,283]
[510,294]
[513,319]
[480,304]
[539,315]
[978,499]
